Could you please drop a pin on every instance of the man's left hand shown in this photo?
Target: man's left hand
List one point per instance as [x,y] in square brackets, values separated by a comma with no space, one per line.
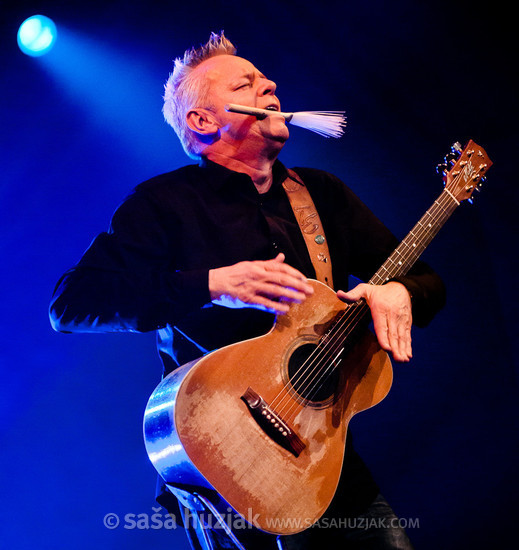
[390,306]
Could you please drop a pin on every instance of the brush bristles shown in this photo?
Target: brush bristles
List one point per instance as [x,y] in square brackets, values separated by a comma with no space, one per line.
[325,123]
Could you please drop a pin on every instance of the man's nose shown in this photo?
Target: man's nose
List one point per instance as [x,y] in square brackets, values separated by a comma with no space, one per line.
[267,87]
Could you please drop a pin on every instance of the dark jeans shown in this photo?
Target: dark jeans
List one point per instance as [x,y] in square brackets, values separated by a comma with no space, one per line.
[377,529]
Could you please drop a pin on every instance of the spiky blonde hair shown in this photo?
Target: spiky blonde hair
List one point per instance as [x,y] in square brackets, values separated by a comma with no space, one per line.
[184,90]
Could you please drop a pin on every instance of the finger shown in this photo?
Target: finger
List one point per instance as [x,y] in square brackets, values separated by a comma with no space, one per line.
[404,337]
[289,279]
[281,292]
[279,258]
[354,294]
[396,345]
[344,296]
[399,336]
[280,267]
[381,328]
[265,304]
[409,349]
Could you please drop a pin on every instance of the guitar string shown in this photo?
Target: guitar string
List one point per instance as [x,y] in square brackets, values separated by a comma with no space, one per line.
[351,321]
[345,317]
[359,312]
[403,266]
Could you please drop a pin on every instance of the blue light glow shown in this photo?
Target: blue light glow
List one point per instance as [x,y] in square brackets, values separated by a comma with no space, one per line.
[37,35]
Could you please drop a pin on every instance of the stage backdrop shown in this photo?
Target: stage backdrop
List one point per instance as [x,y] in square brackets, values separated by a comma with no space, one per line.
[82,125]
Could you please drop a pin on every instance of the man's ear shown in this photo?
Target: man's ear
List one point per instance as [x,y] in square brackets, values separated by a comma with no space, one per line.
[202,122]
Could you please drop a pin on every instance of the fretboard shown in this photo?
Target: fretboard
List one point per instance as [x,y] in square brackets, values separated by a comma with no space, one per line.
[417,240]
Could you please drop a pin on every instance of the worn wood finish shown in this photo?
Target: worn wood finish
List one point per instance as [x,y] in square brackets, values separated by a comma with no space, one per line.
[255,475]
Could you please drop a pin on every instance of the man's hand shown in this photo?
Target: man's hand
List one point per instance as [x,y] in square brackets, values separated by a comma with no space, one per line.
[269,285]
[390,306]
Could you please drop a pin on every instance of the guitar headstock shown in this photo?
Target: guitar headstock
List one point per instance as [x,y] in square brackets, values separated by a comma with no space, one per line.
[464,170]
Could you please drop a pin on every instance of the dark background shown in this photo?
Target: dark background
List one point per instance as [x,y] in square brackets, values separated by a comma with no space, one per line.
[81,126]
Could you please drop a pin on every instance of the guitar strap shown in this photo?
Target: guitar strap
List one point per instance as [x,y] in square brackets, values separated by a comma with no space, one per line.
[311,227]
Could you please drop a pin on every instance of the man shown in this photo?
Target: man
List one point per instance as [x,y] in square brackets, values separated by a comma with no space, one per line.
[208,253]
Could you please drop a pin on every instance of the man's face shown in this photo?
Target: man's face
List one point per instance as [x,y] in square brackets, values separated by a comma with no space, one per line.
[236,80]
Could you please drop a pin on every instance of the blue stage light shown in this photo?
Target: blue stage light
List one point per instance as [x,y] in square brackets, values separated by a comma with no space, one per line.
[37,35]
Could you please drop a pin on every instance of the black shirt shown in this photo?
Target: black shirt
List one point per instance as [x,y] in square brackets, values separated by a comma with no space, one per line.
[150,270]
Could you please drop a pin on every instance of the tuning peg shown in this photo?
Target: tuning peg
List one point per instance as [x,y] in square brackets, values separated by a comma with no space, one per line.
[442,169]
[451,158]
[477,189]
[479,186]
[457,148]
[455,153]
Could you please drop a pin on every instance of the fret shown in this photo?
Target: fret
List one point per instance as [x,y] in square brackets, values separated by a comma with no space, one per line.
[412,246]
[439,205]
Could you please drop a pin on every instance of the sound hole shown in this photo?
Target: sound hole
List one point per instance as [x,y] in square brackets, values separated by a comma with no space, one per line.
[313,375]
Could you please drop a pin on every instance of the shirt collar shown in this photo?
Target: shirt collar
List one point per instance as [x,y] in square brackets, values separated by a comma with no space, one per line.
[217,175]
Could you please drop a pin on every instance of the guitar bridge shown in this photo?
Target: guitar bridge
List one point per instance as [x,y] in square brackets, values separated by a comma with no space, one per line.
[271,423]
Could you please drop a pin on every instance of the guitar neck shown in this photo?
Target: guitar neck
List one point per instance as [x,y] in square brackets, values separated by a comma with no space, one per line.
[417,240]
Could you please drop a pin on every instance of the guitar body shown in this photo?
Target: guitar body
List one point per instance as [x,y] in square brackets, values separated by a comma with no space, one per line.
[201,432]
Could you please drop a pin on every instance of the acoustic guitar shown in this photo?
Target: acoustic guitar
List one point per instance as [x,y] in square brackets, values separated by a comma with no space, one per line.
[260,426]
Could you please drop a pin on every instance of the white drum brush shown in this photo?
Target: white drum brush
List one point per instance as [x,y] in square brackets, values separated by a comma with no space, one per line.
[325,123]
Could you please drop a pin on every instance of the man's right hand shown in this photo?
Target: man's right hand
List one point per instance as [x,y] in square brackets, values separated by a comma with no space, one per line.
[269,285]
